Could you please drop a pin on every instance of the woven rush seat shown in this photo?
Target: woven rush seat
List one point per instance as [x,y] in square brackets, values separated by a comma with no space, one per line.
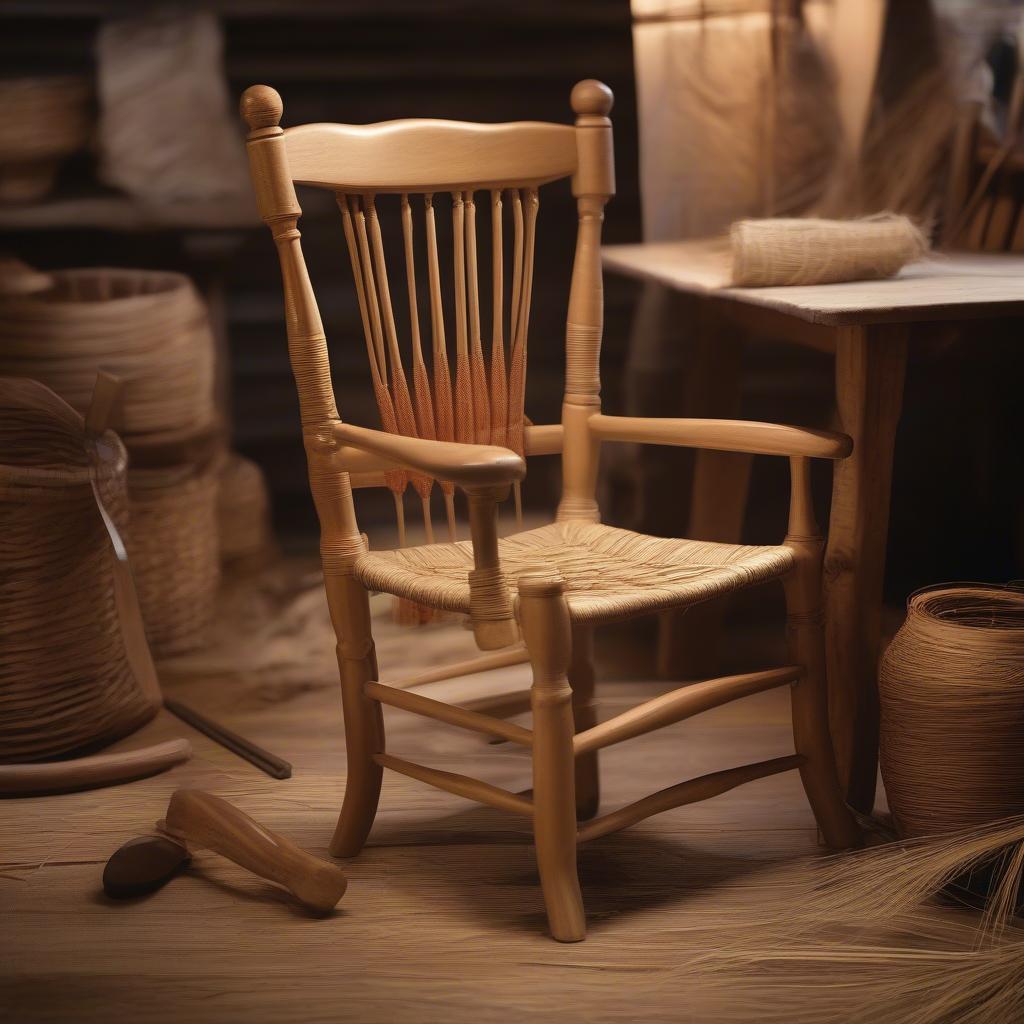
[609,573]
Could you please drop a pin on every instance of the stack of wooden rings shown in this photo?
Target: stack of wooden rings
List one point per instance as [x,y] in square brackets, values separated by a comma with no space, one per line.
[151,330]
[66,681]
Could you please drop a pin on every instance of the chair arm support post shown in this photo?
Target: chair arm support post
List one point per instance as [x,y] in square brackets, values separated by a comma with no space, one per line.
[803,524]
[490,603]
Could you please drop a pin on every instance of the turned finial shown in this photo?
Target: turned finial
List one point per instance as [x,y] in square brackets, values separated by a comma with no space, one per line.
[261,107]
[591,98]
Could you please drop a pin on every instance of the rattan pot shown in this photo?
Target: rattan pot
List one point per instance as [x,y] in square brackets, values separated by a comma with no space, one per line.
[45,119]
[149,328]
[66,682]
[243,514]
[175,553]
[952,710]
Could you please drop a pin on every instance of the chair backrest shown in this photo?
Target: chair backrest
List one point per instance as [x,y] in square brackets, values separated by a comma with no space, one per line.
[418,171]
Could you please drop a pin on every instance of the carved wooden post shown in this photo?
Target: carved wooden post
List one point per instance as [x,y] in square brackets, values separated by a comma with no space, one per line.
[592,184]
[544,617]
[340,540]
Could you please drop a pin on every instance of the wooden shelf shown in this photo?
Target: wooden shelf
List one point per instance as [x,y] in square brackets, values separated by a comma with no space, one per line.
[122,213]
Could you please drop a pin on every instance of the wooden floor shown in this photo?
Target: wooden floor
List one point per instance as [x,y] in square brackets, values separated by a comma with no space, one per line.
[443,919]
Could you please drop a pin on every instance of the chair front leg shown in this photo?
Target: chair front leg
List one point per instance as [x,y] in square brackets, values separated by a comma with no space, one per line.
[364,723]
[544,617]
[581,680]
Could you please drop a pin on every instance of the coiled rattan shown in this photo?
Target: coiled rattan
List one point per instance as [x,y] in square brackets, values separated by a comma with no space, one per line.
[65,679]
[175,553]
[45,119]
[243,513]
[147,327]
[952,704]
[151,330]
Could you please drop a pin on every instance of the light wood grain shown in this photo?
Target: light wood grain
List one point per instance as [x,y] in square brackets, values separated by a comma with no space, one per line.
[445,439]
[473,464]
[723,435]
[460,785]
[429,156]
[962,285]
[681,704]
[90,772]
[688,792]
[449,713]
[201,819]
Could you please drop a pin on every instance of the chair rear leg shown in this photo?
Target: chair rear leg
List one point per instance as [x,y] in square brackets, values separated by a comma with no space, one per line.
[806,636]
[364,723]
[544,617]
[581,679]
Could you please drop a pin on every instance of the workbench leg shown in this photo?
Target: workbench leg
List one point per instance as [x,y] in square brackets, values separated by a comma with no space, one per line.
[689,640]
[582,681]
[870,370]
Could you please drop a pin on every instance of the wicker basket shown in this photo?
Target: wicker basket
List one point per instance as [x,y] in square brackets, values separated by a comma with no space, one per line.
[175,553]
[149,328]
[45,119]
[65,679]
[951,688]
[243,513]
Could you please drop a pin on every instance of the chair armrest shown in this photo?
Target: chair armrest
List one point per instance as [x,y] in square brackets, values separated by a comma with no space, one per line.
[472,465]
[724,435]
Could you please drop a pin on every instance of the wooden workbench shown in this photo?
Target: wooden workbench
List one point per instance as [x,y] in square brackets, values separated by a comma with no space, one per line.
[867,325]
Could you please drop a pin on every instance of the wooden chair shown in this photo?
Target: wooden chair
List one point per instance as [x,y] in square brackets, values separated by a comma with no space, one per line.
[536,595]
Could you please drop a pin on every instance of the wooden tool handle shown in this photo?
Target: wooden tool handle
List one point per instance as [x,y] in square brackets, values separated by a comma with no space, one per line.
[206,820]
[91,772]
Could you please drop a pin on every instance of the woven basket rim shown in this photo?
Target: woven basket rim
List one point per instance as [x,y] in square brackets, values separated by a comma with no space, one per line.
[172,286]
[942,602]
[39,481]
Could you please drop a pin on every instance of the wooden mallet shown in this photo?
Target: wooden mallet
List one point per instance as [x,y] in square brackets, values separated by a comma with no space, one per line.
[197,819]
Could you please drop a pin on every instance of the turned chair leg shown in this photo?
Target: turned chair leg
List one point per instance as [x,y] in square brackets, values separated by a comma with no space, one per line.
[806,635]
[544,618]
[581,680]
[364,723]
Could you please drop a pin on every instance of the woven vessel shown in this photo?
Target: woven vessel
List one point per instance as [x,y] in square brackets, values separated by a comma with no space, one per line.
[65,679]
[952,707]
[175,553]
[243,513]
[45,119]
[149,328]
